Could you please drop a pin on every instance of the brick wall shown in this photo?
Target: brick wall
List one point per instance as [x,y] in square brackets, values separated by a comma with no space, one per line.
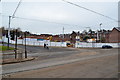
[114,36]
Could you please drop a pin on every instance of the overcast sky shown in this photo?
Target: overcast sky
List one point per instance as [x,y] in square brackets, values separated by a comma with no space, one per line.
[72,18]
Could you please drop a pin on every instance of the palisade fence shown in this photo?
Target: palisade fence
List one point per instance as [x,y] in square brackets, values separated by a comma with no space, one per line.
[96,45]
[36,43]
[61,44]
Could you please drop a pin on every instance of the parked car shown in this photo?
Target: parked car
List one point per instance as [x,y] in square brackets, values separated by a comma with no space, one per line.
[106,46]
[69,45]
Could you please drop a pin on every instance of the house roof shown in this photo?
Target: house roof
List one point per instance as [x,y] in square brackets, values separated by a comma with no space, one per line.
[118,28]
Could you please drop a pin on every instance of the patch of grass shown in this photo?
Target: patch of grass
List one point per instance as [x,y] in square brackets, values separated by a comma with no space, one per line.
[4,48]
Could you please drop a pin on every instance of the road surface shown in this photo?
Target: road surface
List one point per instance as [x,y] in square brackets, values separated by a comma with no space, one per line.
[93,68]
[63,56]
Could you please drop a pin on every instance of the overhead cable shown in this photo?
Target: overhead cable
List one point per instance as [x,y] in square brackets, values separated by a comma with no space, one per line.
[90,10]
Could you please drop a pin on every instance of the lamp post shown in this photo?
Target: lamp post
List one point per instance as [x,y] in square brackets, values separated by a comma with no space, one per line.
[9,32]
[100,32]
[10,23]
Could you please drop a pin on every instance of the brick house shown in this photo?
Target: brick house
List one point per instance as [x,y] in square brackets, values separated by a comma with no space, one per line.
[114,36]
[73,37]
[105,36]
[55,38]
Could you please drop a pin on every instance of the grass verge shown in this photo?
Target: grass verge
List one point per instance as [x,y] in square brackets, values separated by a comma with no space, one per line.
[4,48]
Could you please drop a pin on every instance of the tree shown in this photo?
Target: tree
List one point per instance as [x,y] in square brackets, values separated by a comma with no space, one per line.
[2,30]
[84,32]
[90,31]
[18,29]
[85,38]
[104,30]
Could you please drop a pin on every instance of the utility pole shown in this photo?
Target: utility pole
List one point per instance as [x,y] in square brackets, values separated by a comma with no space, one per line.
[63,32]
[63,35]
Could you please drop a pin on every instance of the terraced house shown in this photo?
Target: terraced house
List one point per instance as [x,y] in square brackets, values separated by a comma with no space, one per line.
[114,36]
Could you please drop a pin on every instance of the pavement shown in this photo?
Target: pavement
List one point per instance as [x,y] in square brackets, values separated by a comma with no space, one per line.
[8,57]
[11,61]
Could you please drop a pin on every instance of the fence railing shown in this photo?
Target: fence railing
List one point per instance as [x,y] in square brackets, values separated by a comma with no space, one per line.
[62,44]
[37,43]
[96,45]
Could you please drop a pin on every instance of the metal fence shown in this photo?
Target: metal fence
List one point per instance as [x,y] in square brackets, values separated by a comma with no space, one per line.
[62,44]
[96,45]
[37,43]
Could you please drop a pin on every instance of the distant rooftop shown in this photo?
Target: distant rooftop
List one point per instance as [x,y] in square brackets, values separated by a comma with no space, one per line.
[118,28]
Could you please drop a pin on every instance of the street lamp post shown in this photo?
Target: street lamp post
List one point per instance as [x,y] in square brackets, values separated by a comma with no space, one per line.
[100,32]
[9,32]
[10,23]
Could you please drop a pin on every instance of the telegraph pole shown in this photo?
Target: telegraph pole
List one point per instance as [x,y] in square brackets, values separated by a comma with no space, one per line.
[63,34]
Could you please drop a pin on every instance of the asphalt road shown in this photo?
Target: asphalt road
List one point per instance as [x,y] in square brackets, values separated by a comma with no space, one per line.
[100,67]
[42,53]
[36,49]
[55,56]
